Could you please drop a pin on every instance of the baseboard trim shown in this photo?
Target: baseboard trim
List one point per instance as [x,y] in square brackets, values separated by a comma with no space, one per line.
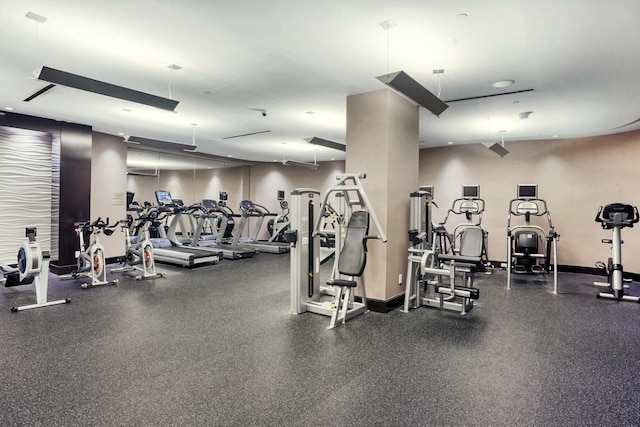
[380,306]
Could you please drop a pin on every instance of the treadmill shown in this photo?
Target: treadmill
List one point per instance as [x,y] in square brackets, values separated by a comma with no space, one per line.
[251,210]
[211,210]
[172,252]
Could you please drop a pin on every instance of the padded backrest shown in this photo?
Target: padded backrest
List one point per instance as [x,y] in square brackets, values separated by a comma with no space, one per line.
[471,242]
[353,256]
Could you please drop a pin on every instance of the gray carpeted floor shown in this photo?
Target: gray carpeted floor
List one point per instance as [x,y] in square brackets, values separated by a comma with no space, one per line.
[216,346]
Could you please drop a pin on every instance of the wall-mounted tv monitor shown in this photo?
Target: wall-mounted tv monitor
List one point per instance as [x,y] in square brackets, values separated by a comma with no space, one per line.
[130,196]
[280,194]
[470,191]
[527,191]
[427,189]
[163,197]
[223,196]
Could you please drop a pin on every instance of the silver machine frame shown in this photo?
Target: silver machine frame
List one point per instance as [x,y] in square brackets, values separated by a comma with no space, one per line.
[306,228]
[423,260]
[542,210]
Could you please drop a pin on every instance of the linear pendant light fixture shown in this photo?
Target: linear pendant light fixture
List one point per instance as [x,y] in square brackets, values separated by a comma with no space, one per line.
[403,83]
[75,81]
[158,144]
[313,166]
[326,143]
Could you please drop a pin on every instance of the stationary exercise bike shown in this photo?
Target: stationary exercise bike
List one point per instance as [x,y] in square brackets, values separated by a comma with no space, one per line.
[138,260]
[33,266]
[615,217]
[90,259]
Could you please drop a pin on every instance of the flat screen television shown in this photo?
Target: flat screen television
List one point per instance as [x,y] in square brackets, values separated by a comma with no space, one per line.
[470,191]
[280,194]
[527,191]
[163,197]
[223,196]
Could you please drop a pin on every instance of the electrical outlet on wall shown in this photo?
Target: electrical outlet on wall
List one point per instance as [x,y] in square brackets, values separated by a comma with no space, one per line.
[400,279]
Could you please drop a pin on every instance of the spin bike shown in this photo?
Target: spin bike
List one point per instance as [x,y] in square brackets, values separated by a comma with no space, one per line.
[138,260]
[90,260]
[615,217]
[33,266]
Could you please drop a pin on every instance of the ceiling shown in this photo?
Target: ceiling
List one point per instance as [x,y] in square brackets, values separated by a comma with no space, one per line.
[299,60]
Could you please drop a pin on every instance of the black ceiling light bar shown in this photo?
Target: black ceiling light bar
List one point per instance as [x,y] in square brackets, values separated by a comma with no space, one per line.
[38,93]
[312,166]
[158,144]
[403,83]
[96,86]
[246,134]
[489,96]
[326,143]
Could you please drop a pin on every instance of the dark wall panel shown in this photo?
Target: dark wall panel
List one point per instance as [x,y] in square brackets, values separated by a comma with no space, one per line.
[75,177]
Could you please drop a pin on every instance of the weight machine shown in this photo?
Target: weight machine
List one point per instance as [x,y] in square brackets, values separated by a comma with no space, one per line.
[427,266]
[33,266]
[307,214]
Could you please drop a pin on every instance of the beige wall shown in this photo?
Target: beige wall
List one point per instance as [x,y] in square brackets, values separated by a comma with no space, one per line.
[268,178]
[108,187]
[574,176]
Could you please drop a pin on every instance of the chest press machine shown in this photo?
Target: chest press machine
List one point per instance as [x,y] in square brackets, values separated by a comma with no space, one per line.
[337,298]
[427,266]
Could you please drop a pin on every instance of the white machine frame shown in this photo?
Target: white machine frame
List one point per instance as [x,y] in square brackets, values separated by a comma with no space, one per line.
[306,228]
[90,259]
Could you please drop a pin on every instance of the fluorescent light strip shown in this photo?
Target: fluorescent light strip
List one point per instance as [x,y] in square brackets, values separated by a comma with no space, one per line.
[246,134]
[326,143]
[403,83]
[163,145]
[96,86]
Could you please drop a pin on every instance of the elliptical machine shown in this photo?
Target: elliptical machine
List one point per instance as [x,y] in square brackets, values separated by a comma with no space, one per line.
[90,259]
[615,217]
[278,225]
[139,262]
[33,266]
[524,248]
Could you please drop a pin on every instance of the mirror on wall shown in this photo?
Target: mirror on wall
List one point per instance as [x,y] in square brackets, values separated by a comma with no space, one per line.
[189,176]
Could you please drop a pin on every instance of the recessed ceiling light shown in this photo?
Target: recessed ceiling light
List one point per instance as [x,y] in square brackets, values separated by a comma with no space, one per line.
[503,83]
[8,108]
[311,113]
[194,124]
[450,142]
[462,15]
[207,92]
[516,102]
[333,158]
[35,17]
[121,133]
[128,110]
[524,115]
[174,67]
[555,136]
[283,143]
[229,155]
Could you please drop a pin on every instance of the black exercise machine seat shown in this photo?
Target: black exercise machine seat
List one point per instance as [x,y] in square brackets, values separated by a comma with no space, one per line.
[353,256]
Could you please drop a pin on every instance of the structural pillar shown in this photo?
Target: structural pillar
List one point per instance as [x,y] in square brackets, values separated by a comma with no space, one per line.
[382,141]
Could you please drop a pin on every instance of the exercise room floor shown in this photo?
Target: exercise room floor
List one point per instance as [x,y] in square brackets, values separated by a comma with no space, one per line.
[216,346]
